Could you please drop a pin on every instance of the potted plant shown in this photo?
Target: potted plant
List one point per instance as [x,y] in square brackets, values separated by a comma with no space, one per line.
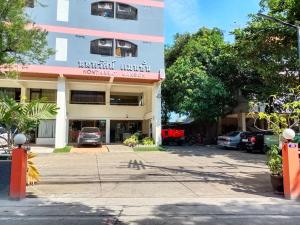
[274,162]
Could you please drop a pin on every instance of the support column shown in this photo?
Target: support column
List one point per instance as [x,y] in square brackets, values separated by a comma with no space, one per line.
[242,121]
[107,137]
[156,113]
[61,117]
[107,97]
[24,96]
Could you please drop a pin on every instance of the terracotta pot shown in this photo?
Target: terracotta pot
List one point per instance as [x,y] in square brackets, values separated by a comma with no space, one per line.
[277,183]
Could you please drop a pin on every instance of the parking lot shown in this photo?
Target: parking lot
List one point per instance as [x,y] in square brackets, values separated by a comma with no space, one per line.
[185,171]
[185,185]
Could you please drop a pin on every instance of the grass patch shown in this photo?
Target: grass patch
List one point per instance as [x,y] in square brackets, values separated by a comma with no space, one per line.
[149,149]
[63,150]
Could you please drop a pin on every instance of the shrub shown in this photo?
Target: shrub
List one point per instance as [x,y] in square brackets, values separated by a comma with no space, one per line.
[131,141]
[148,141]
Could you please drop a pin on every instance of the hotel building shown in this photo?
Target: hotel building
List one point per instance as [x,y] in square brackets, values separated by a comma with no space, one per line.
[106,71]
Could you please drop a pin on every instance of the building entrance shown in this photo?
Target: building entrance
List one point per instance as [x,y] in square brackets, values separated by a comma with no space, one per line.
[120,130]
[75,127]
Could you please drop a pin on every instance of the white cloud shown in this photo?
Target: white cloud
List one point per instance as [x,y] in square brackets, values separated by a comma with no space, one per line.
[184,13]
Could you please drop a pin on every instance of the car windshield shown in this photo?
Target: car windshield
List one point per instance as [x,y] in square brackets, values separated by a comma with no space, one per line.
[90,130]
[233,134]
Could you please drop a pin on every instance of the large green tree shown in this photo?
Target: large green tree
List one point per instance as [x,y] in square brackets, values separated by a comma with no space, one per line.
[190,87]
[270,49]
[20,41]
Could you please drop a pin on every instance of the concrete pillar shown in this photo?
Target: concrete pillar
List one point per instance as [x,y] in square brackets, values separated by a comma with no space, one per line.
[156,113]
[107,96]
[24,96]
[242,121]
[107,137]
[61,117]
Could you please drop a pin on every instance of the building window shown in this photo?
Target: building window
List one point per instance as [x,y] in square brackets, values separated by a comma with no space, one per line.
[14,93]
[46,95]
[46,129]
[102,47]
[126,49]
[125,11]
[126,99]
[105,9]
[29,3]
[88,97]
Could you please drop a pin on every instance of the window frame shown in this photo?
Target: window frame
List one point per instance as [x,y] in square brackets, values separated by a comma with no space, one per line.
[17,93]
[128,42]
[130,6]
[72,102]
[40,92]
[104,2]
[139,97]
[98,50]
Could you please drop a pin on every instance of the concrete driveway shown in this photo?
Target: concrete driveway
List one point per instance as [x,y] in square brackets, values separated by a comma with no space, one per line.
[186,185]
[186,172]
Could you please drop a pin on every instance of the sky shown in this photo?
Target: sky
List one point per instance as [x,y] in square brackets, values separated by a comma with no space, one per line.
[190,15]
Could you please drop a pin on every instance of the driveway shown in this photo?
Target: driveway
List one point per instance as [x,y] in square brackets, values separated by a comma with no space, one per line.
[184,186]
[186,172]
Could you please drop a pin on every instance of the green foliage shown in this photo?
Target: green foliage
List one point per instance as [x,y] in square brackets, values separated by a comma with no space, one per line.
[148,149]
[148,141]
[270,48]
[24,117]
[132,141]
[66,149]
[190,87]
[285,114]
[18,43]
[284,111]
[274,161]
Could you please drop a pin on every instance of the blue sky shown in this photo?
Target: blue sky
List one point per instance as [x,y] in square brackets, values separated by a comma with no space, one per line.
[189,15]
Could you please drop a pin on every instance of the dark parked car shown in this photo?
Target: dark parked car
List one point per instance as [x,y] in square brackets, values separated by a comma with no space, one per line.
[260,141]
[89,136]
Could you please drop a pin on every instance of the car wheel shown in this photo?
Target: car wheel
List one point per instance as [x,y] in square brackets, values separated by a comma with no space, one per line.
[265,150]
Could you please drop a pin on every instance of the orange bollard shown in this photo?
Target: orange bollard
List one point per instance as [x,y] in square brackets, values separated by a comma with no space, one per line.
[18,174]
[291,173]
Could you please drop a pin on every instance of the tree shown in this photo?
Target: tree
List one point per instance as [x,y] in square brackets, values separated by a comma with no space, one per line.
[269,48]
[23,117]
[192,87]
[20,41]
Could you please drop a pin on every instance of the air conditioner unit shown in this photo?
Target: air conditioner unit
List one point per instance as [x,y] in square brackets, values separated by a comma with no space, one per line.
[105,6]
[124,44]
[124,9]
[105,43]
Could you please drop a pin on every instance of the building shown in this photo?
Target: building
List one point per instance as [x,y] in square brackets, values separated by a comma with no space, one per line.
[106,71]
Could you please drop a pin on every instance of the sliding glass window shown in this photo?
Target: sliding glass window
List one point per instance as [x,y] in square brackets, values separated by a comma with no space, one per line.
[14,93]
[46,95]
[88,97]
[126,99]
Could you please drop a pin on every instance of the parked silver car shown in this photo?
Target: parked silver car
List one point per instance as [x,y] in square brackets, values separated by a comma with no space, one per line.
[89,136]
[231,140]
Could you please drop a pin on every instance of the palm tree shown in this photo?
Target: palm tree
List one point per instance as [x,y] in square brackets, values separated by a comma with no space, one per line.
[23,117]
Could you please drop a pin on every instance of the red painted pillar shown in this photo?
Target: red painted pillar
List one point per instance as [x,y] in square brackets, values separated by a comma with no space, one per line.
[18,174]
[291,173]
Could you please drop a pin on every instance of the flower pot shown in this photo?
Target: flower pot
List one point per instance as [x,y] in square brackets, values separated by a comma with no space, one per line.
[277,183]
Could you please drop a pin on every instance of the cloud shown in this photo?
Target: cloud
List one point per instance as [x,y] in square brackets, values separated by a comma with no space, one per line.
[184,13]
